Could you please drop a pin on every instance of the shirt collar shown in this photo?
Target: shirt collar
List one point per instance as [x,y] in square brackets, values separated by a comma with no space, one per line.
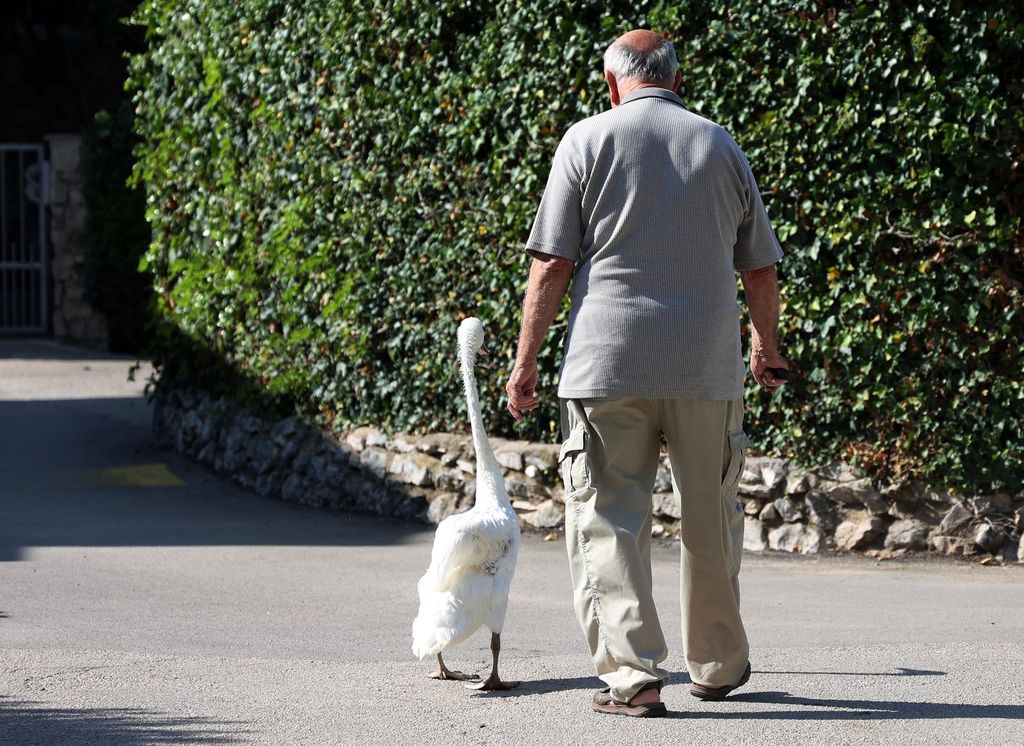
[662,93]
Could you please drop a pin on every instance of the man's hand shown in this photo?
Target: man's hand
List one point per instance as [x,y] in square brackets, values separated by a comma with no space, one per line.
[761,287]
[761,359]
[549,278]
[522,389]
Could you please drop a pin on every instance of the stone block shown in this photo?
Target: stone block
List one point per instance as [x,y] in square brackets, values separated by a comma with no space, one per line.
[403,443]
[269,484]
[752,471]
[992,505]
[510,459]
[799,483]
[757,490]
[664,503]
[293,488]
[951,545]
[522,486]
[907,534]
[753,535]
[548,514]
[449,480]
[988,538]
[442,505]
[840,471]
[413,468]
[774,472]
[795,537]
[820,510]
[751,506]
[789,509]
[356,441]
[663,478]
[859,530]
[958,516]
[854,492]
[769,514]
[375,461]
[543,456]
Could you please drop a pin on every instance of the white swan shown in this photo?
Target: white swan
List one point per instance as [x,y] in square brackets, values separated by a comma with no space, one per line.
[474,556]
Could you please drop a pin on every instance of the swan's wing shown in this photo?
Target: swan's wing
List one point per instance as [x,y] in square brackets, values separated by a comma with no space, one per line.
[456,544]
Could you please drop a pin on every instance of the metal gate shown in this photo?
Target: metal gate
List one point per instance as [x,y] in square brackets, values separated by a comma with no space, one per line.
[24,186]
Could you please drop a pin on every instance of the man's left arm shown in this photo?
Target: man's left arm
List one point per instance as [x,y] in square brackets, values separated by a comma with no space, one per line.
[549,279]
[761,289]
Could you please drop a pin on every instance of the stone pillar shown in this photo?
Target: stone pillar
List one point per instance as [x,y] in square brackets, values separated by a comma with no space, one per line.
[75,319]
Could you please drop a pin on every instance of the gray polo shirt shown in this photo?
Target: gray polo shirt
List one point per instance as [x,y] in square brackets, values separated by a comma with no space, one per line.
[658,208]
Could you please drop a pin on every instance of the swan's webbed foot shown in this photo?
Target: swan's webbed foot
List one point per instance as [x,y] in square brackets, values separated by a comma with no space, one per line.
[444,673]
[492,684]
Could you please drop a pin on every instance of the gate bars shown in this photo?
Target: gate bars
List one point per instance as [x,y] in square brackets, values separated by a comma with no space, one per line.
[23,245]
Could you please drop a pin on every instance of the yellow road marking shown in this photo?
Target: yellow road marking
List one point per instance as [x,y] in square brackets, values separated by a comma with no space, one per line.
[138,475]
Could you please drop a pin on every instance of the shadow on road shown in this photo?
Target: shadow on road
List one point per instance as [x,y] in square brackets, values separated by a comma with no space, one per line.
[83,473]
[855,709]
[30,722]
[897,672]
[35,348]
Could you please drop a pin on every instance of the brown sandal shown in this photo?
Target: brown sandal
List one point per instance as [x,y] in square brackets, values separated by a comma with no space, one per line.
[716,693]
[603,702]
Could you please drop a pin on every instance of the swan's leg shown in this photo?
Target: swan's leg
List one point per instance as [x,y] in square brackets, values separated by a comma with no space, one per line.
[443,672]
[493,682]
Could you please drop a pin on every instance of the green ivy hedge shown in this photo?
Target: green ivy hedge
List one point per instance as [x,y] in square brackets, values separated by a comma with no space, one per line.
[332,186]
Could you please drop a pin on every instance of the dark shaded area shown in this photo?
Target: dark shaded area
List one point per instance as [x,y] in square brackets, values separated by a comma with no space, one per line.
[37,348]
[60,63]
[27,722]
[53,495]
[116,232]
[187,362]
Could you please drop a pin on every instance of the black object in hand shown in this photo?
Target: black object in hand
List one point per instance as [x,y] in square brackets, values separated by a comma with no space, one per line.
[783,374]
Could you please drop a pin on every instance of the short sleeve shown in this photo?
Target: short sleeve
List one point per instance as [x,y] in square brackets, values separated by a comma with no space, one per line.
[557,228]
[756,244]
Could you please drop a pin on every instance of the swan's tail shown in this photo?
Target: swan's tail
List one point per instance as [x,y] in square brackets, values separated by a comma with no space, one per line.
[436,624]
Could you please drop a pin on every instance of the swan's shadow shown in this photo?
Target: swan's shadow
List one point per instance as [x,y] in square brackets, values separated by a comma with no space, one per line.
[547,686]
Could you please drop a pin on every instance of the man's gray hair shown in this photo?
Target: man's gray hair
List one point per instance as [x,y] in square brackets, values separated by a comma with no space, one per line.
[626,63]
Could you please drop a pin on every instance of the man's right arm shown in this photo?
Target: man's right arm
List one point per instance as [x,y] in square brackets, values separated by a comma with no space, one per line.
[549,278]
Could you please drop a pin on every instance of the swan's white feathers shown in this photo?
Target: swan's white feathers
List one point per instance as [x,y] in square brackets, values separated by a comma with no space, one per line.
[474,554]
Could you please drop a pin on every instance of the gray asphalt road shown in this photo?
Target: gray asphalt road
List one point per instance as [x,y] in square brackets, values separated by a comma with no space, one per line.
[145,601]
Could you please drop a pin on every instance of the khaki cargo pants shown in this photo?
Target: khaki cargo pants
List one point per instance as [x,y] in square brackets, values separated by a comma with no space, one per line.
[609,462]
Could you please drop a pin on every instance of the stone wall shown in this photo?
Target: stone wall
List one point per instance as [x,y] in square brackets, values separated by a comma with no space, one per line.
[75,319]
[787,508]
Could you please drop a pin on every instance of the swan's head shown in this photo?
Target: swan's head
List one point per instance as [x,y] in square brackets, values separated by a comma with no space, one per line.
[471,336]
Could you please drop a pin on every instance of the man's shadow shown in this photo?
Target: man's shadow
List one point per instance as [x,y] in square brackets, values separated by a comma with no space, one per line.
[679,678]
[853,709]
[811,708]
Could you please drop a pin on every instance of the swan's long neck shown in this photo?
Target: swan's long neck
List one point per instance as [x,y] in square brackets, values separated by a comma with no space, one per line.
[490,485]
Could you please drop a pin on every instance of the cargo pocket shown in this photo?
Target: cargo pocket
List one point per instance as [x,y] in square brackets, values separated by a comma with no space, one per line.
[738,443]
[575,466]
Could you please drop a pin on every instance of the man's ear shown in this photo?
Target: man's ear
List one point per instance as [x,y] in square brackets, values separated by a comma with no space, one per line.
[678,82]
[613,87]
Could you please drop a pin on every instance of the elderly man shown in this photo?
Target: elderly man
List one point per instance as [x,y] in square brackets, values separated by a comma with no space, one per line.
[651,210]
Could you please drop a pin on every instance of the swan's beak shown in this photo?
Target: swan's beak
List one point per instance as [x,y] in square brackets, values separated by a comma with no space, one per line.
[484,351]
